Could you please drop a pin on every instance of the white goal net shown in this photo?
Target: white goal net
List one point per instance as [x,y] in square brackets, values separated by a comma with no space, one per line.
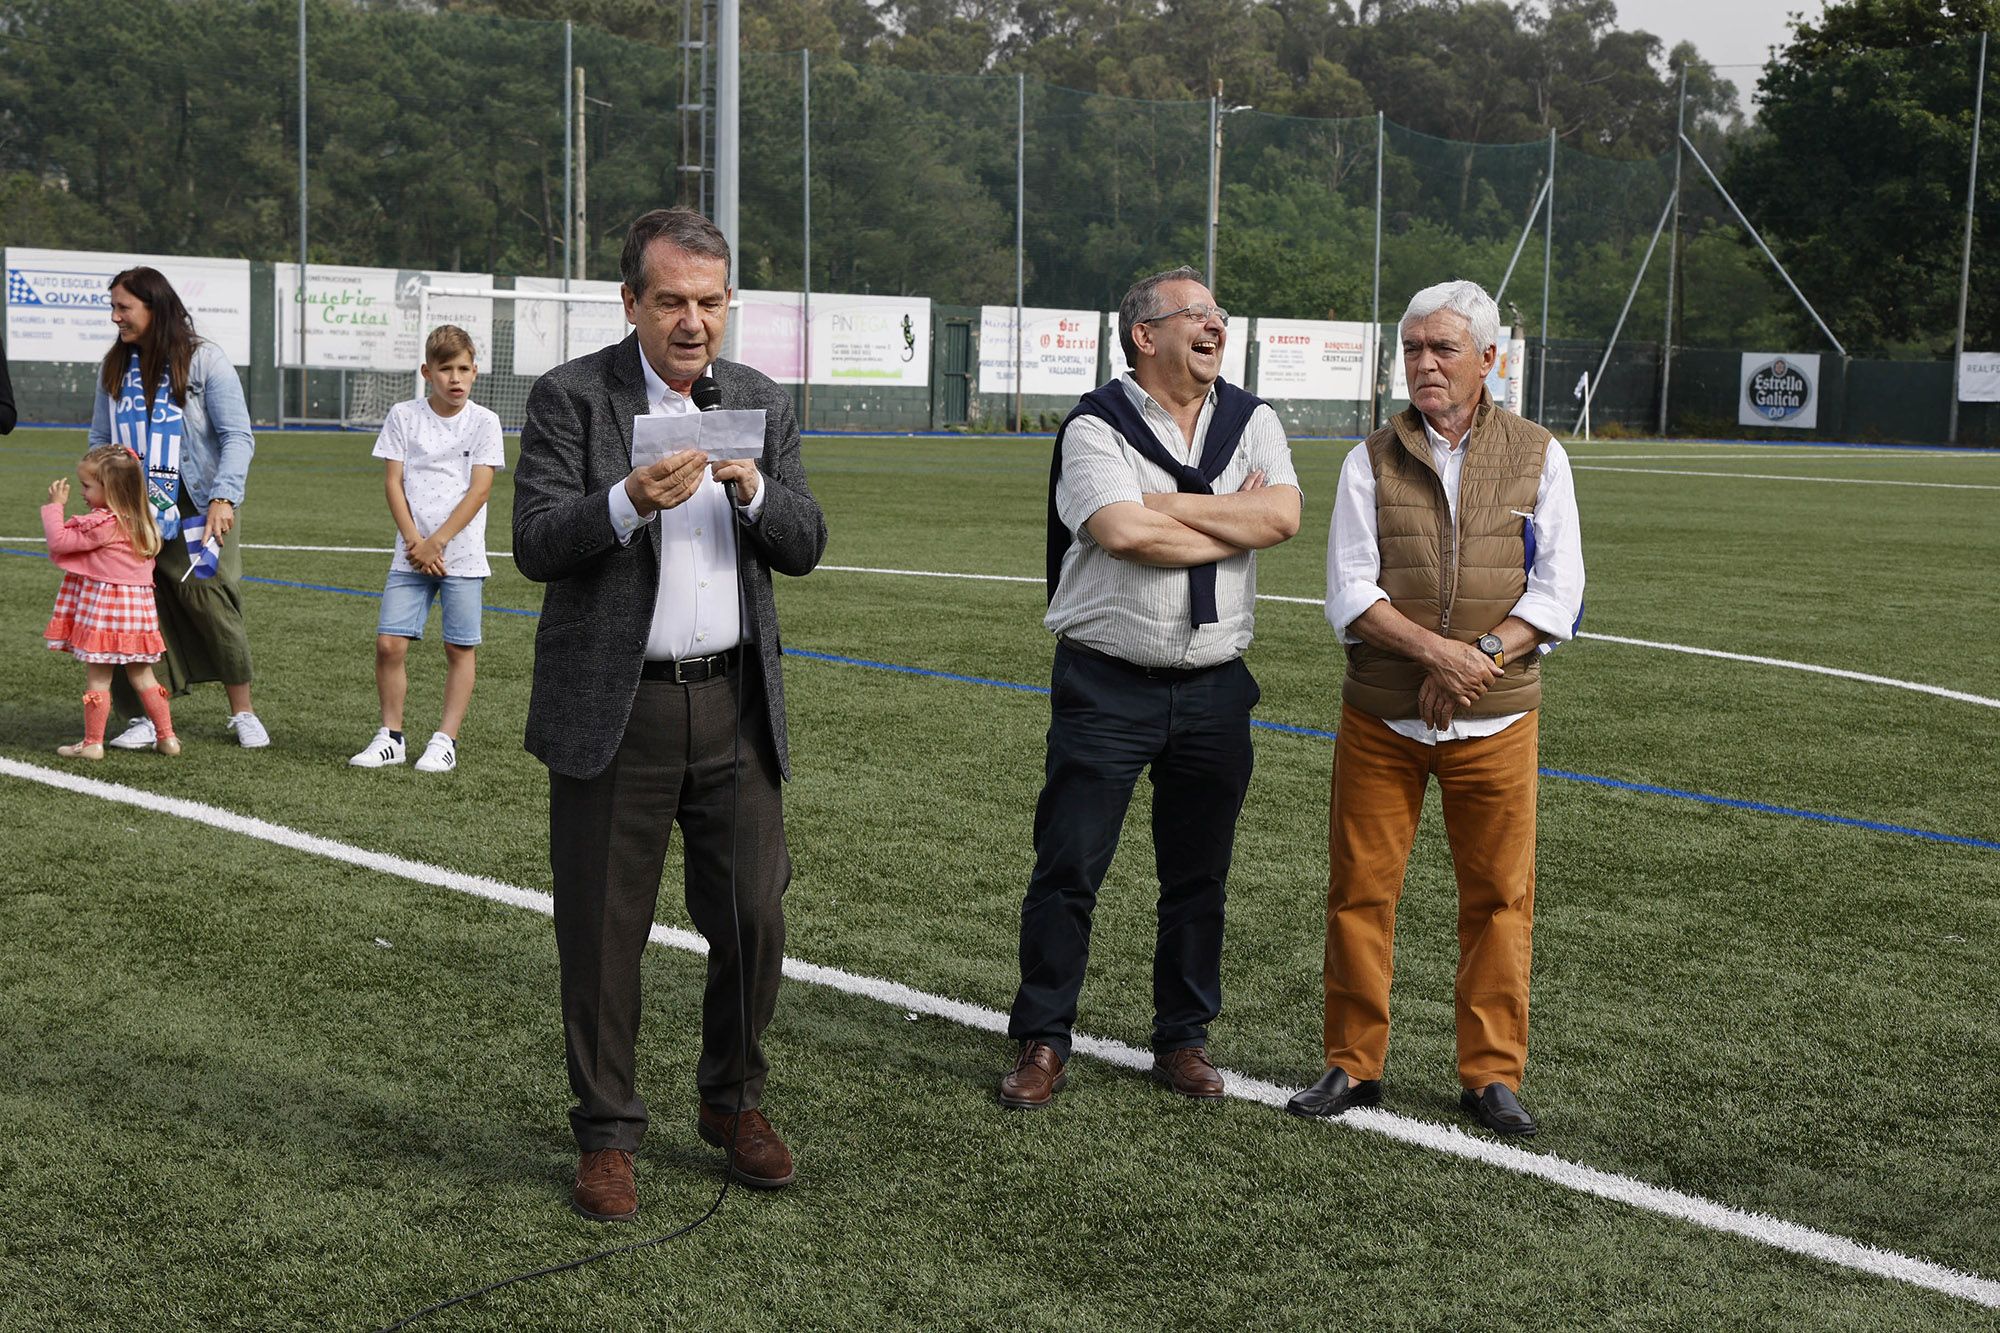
[532,331]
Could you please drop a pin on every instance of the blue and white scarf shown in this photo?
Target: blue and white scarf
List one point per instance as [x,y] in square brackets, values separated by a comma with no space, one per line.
[155,436]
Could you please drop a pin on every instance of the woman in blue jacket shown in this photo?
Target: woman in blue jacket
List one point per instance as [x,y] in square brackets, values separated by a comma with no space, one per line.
[176,402]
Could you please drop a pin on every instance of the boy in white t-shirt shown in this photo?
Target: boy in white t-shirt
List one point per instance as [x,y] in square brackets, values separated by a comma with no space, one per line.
[442,451]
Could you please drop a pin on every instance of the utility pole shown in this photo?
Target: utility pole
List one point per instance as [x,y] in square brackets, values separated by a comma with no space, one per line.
[299,306]
[1214,182]
[582,188]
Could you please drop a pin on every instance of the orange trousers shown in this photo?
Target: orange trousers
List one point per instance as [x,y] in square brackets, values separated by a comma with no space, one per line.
[1488,785]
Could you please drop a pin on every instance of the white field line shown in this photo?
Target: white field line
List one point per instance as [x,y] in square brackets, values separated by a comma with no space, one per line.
[1842,673]
[1771,476]
[1446,1139]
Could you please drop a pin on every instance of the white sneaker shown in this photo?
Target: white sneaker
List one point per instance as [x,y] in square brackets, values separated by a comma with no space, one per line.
[138,736]
[250,733]
[380,752]
[440,756]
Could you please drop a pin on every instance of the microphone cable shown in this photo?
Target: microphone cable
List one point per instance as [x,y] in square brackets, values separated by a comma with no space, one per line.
[707,396]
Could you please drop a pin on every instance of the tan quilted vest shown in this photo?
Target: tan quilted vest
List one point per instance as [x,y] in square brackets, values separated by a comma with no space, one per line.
[1459,583]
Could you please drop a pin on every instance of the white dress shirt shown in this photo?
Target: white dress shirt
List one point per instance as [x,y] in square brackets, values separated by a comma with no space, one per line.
[1141,613]
[697,612]
[1551,603]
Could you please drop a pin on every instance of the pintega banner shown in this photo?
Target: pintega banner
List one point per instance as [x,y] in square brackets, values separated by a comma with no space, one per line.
[1779,389]
[59,301]
[871,340]
[366,318]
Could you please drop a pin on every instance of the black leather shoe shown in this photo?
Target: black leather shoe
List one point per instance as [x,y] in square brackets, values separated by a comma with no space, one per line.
[1499,1110]
[1335,1092]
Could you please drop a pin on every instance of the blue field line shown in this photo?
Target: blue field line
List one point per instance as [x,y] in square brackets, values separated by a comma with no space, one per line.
[1762,807]
[1313,733]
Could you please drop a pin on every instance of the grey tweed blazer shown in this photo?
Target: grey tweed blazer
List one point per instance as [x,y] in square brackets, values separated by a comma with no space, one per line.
[598,607]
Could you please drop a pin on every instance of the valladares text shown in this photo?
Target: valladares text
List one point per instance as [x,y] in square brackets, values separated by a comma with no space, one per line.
[1779,391]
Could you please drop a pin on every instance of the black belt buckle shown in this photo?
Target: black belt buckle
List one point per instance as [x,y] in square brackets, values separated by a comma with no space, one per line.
[689,670]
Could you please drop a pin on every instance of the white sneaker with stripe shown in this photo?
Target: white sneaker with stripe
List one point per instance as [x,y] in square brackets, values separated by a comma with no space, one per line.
[380,752]
[440,756]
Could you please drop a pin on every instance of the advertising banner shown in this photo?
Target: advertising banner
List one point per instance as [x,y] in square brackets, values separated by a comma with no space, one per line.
[1514,374]
[366,318]
[881,340]
[1235,350]
[1058,350]
[1979,377]
[59,301]
[1779,389]
[768,329]
[548,333]
[1324,360]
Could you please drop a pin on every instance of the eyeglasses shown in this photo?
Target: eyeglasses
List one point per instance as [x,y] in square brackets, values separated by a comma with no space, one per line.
[1198,313]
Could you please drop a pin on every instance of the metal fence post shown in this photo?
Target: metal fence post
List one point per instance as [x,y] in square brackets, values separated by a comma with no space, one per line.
[806,241]
[1965,261]
[1548,268]
[1375,301]
[1020,229]
[1673,257]
[300,304]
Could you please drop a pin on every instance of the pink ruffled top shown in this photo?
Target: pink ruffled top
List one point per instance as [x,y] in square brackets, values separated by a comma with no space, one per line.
[95,546]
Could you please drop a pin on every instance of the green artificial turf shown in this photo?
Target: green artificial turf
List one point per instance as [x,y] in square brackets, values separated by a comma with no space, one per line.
[255,1088]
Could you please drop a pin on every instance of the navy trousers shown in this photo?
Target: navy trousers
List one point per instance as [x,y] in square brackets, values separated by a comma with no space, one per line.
[1108,721]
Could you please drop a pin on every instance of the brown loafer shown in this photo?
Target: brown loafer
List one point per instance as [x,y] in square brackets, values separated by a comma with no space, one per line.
[605,1190]
[1188,1072]
[1037,1076]
[761,1159]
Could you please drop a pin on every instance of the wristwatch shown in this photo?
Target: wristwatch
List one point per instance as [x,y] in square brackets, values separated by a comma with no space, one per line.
[1490,645]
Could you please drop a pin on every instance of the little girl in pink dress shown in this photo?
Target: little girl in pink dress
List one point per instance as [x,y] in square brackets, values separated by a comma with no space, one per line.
[104,614]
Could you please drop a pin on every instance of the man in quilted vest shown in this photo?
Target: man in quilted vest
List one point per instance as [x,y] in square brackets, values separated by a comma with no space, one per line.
[1454,562]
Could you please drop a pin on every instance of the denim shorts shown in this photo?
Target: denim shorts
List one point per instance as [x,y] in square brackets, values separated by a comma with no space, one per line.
[406,604]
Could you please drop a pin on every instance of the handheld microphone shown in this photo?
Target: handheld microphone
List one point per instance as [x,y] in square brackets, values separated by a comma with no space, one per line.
[706,395]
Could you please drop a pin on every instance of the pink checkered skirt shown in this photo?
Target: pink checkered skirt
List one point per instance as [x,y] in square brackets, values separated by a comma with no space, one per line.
[105,622]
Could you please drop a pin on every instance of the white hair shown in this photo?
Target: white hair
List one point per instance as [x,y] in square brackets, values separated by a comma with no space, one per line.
[1466,299]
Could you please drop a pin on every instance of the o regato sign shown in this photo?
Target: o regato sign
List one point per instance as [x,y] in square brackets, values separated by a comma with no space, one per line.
[1779,389]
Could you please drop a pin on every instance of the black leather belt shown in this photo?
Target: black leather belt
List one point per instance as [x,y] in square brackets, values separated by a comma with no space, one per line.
[1150,673]
[689,669]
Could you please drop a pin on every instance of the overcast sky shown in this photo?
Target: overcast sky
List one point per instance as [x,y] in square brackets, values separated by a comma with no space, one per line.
[1726,32]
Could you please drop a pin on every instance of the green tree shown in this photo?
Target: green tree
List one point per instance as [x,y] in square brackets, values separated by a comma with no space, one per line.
[1857,175]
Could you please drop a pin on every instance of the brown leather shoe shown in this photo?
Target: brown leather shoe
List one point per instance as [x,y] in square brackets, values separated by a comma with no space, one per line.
[1188,1072]
[1037,1076]
[762,1160]
[605,1190]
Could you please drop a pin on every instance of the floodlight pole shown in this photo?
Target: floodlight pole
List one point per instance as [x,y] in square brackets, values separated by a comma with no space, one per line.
[806,241]
[1673,256]
[1965,262]
[1548,269]
[728,101]
[1375,300]
[1020,230]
